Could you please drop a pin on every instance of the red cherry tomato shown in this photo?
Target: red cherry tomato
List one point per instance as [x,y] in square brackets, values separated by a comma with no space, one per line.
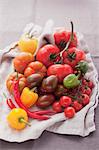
[87,91]
[72,56]
[69,112]
[62,37]
[57,107]
[77,106]
[65,101]
[90,84]
[60,71]
[85,99]
[47,54]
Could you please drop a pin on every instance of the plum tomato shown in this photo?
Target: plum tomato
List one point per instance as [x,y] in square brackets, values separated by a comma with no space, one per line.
[61,71]
[57,107]
[69,112]
[62,37]
[72,56]
[60,90]
[47,54]
[85,99]
[65,101]
[77,106]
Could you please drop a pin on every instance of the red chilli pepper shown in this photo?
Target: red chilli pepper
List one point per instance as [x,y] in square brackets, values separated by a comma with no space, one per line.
[10,104]
[36,114]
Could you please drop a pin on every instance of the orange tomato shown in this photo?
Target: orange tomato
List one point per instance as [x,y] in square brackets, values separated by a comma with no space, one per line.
[11,78]
[20,62]
[28,44]
[35,67]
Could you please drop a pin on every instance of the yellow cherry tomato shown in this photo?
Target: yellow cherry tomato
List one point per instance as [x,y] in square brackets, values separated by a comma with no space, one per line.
[17,118]
[28,44]
[28,97]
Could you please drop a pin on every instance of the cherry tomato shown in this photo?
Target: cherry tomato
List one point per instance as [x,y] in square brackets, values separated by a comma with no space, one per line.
[62,37]
[85,99]
[69,112]
[57,107]
[87,91]
[72,56]
[90,84]
[84,82]
[77,106]
[47,54]
[65,101]
[60,71]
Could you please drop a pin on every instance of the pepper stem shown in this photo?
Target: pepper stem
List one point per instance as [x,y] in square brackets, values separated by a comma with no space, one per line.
[21,119]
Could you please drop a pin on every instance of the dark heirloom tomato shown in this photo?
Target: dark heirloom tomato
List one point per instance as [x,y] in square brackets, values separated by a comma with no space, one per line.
[72,56]
[47,54]
[60,71]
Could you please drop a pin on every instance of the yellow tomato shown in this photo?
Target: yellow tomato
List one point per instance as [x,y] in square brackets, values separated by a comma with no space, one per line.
[28,44]
[17,118]
[28,97]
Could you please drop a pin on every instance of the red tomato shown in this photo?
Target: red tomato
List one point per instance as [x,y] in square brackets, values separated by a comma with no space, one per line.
[62,37]
[57,107]
[77,106]
[85,99]
[69,112]
[60,71]
[87,91]
[72,56]
[65,101]
[90,84]
[47,54]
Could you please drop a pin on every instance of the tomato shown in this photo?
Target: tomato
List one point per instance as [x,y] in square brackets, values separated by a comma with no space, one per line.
[47,54]
[35,67]
[28,44]
[69,112]
[65,101]
[60,71]
[87,91]
[72,56]
[21,61]
[57,107]
[77,106]
[90,84]
[85,99]
[62,37]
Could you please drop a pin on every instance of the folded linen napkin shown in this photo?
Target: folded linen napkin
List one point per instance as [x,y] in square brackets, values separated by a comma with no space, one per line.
[83,122]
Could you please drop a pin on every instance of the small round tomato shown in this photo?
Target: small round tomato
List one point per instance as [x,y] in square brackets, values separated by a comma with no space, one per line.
[65,101]
[77,106]
[85,99]
[57,107]
[87,91]
[47,54]
[90,84]
[69,112]
[35,67]
[61,71]
[28,44]
[62,37]
[72,56]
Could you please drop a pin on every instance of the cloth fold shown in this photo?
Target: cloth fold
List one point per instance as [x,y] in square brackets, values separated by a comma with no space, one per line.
[83,122]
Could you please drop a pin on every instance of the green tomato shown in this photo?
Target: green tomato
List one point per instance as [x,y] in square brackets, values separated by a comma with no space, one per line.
[71,81]
[82,66]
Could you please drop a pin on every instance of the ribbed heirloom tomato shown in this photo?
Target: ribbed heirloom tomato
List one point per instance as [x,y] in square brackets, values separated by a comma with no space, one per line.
[47,54]
[60,71]
[72,56]
[35,67]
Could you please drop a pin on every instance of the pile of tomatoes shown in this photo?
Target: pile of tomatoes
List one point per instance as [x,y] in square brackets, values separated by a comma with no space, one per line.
[56,74]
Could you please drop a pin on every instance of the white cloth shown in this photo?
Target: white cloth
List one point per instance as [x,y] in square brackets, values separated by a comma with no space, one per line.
[83,122]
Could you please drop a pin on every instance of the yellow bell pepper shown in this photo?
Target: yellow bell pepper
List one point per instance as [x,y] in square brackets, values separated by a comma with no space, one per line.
[28,44]
[28,97]
[17,118]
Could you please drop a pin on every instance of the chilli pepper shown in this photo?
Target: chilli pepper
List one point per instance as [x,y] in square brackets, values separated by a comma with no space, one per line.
[39,115]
